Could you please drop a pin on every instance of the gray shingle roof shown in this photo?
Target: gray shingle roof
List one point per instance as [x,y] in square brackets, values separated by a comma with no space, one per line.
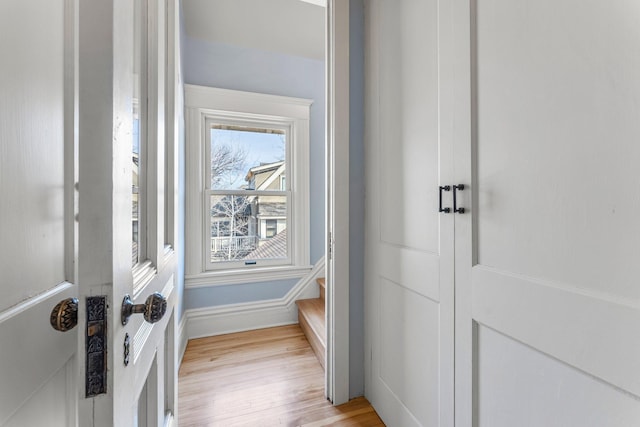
[275,247]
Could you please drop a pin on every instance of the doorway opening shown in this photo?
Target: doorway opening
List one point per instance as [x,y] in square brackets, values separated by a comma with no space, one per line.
[249,46]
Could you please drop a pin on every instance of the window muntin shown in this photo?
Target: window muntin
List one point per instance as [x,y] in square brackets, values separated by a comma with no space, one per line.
[246,166]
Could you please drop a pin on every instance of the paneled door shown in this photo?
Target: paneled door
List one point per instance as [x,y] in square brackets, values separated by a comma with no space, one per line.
[409,243]
[547,257]
[37,231]
[126,260]
[70,112]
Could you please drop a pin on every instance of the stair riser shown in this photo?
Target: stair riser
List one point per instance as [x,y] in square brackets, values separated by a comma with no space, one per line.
[316,344]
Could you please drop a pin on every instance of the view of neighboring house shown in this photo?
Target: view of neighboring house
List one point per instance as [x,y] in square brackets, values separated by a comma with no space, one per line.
[252,226]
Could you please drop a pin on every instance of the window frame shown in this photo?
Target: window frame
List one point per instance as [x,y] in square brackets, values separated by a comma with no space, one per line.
[158,148]
[205,105]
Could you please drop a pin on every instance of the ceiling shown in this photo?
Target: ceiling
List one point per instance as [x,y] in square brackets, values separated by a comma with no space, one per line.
[293,27]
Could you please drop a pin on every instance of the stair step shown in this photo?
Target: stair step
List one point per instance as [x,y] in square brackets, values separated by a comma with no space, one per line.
[312,322]
[321,286]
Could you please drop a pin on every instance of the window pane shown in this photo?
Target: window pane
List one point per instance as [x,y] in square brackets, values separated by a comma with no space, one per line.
[252,227]
[137,128]
[247,158]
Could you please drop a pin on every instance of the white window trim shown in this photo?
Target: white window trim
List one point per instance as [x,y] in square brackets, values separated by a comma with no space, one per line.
[203,102]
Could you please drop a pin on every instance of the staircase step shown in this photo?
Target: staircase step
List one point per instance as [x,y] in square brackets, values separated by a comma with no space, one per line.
[312,322]
[321,286]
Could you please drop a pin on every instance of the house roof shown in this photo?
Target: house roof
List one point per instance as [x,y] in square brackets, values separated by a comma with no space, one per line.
[266,167]
[275,247]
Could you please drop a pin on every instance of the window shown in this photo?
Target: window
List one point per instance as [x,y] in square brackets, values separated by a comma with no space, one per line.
[245,165]
[148,156]
[271,228]
[253,190]
[139,128]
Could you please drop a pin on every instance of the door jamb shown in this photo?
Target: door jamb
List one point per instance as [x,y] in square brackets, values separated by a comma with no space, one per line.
[337,201]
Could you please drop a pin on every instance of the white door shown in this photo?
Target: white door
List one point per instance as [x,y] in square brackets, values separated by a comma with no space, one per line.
[409,243]
[125,243]
[66,102]
[37,251]
[547,267]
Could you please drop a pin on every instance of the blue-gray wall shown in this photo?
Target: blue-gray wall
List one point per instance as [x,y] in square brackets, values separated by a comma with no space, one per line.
[357,194]
[234,294]
[239,68]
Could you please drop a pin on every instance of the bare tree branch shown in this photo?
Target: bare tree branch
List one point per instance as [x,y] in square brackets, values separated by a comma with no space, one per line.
[226,163]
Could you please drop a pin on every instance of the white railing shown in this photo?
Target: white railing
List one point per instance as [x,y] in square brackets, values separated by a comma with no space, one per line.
[234,244]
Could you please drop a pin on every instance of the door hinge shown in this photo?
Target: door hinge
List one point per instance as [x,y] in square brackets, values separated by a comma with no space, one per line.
[330,246]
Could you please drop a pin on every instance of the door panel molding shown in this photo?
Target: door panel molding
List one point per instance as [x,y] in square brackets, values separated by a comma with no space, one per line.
[568,300]
[25,334]
[579,329]
[408,266]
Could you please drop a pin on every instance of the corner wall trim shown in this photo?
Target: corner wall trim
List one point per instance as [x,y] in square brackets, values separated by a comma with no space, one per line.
[225,319]
[182,338]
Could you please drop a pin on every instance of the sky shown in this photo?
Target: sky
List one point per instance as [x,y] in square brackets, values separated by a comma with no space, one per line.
[261,148]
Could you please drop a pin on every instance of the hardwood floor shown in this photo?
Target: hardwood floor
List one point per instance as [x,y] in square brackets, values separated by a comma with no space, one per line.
[268,377]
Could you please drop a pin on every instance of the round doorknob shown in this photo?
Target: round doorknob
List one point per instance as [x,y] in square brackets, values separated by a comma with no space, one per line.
[152,310]
[64,315]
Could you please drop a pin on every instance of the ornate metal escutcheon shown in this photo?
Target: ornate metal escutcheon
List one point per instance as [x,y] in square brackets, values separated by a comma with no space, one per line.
[127,349]
[96,346]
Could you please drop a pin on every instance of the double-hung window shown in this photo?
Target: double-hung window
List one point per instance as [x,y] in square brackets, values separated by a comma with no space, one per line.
[248,177]
[247,208]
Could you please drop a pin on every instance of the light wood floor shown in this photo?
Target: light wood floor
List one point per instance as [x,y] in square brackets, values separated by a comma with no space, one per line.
[260,378]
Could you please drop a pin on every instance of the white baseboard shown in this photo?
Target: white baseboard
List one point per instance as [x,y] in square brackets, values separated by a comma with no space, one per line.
[211,321]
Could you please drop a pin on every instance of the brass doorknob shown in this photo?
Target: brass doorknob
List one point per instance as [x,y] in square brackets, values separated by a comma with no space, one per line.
[64,315]
[152,310]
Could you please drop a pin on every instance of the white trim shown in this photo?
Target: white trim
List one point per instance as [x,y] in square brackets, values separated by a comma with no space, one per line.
[272,178]
[337,206]
[234,277]
[322,3]
[292,114]
[212,98]
[143,273]
[32,302]
[183,339]
[211,321]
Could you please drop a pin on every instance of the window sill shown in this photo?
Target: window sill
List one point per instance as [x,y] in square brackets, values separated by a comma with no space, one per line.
[234,277]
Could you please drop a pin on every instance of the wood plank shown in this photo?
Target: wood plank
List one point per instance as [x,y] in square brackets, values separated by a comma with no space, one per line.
[266,377]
